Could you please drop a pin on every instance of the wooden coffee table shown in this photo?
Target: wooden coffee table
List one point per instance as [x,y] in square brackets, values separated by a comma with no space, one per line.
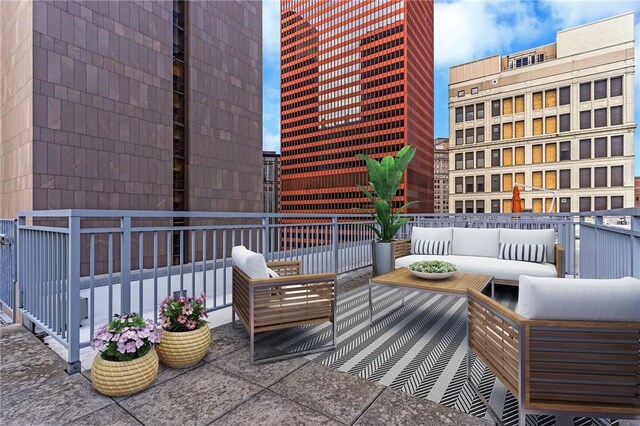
[455,285]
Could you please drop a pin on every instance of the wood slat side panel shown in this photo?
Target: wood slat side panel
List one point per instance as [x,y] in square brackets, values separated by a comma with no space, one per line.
[599,367]
[285,268]
[401,248]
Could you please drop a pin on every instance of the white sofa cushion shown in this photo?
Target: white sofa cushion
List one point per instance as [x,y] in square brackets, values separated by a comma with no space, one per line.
[431,247]
[432,234]
[579,299]
[532,236]
[249,262]
[500,269]
[525,252]
[476,242]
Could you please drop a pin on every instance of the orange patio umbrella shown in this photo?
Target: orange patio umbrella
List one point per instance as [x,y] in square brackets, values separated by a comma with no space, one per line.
[516,201]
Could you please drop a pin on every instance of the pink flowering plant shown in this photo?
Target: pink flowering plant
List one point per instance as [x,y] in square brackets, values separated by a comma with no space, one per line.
[126,338]
[183,313]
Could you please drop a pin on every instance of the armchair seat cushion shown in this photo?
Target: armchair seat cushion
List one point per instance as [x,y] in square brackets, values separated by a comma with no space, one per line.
[501,269]
[579,299]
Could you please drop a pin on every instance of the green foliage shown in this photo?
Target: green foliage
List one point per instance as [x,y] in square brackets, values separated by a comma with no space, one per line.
[433,266]
[384,179]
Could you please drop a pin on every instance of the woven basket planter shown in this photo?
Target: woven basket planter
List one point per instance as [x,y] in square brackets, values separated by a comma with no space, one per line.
[122,378]
[184,349]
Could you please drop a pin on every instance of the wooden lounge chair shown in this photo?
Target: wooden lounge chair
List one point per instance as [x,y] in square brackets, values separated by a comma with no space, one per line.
[564,367]
[291,299]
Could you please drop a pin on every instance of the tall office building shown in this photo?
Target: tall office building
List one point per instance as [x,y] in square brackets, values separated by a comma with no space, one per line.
[271,181]
[357,77]
[131,105]
[557,119]
[441,175]
[637,191]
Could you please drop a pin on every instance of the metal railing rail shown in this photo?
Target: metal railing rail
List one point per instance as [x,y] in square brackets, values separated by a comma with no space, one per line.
[8,267]
[610,243]
[79,267]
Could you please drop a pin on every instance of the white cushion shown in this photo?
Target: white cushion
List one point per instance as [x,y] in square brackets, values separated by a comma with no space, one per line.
[532,236]
[476,242]
[526,252]
[579,299]
[431,247]
[434,234]
[500,269]
[249,262]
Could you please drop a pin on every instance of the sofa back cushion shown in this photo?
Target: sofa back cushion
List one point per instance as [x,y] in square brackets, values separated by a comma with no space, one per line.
[532,236]
[475,242]
[429,234]
[249,262]
[579,299]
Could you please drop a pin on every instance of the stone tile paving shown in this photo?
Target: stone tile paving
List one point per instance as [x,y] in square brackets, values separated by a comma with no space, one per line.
[225,389]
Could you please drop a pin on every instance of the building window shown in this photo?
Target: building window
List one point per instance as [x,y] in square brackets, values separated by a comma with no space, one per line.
[459,162]
[585,119]
[468,206]
[616,115]
[565,179]
[495,108]
[600,147]
[600,177]
[585,204]
[585,148]
[550,98]
[468,113]
[537,126]
[480,206]
[565,151]
[495,158]
[469,136]
[469,160]
[600,89]
[458,206]
[479,134]
[459,115]
[495,183]
[600,203]
[495,206]
[519,129]
[537,100]
[600,117]
[479,183]
[536,154]
[469,184]
[507,106]
[519,104]
[565,95]
[585,178]
[565,204]
[617,202]
[565,122]
[474,90]
[459,140]
[617,146]
[460,93]
[495,132]
[616,86]
[479,111]
[617,175]
[585,92]
[458,185]
[480,159]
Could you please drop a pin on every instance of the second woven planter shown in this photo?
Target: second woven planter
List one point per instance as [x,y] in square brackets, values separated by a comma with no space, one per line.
[184,349]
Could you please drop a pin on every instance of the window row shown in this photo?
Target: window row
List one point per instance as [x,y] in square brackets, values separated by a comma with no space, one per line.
[562,204]
[600,89]
[600,117]
[470,113]
[470,136]
[601,177]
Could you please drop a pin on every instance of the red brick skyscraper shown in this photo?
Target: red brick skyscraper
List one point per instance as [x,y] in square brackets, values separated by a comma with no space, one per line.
[357,76]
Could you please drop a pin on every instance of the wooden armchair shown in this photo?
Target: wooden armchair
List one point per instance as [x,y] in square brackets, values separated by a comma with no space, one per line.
[557,367]
[290,300]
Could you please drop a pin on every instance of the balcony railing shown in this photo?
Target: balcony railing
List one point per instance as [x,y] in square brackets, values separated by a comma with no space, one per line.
[76,268]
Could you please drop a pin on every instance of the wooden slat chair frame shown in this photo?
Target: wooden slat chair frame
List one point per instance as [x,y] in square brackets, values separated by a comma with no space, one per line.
[578,368]
[290,300]
[402,248]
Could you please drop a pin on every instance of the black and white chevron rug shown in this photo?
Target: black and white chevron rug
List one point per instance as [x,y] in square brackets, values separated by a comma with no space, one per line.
[419,349]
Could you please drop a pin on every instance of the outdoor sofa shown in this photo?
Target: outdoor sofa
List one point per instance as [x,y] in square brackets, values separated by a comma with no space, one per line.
[479,251]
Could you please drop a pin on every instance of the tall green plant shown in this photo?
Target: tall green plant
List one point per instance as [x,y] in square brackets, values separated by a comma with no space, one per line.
[384,179]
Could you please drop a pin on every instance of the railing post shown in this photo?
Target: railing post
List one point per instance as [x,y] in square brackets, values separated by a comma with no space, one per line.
[598,220]
[20,259]
[334,242]
[266,244]
[125,266]
[73,280]
[14,273]
[635,246]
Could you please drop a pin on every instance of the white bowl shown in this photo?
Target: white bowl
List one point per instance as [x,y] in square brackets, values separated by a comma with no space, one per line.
[432,275]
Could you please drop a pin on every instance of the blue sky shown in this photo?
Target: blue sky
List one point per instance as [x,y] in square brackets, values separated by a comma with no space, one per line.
[464,30]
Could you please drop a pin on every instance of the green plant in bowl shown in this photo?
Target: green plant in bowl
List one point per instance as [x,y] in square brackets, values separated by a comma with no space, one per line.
[433,267]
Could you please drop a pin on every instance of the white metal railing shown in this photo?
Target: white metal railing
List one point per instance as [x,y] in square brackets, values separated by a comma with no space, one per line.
[76,268]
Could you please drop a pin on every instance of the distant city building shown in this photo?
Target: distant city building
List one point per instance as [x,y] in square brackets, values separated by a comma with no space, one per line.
[271,181]
[357,77]
[558,117]
[637,194]
[441,176]
[131,105]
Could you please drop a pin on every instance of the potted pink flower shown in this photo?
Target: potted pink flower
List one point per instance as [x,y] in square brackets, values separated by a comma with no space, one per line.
[186,337]
[127,362]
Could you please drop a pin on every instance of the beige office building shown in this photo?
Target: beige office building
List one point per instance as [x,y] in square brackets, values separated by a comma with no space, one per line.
[557,119]
[441,175]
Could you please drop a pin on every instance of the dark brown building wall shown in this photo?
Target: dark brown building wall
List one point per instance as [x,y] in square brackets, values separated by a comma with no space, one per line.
[637,191]
[348,87]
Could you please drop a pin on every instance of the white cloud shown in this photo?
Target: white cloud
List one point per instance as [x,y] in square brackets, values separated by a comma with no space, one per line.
[570,13]
[271,29]
[467,30]
[271,141]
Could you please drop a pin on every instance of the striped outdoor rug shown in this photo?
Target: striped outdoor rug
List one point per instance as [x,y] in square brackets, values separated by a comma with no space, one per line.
[419,349]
